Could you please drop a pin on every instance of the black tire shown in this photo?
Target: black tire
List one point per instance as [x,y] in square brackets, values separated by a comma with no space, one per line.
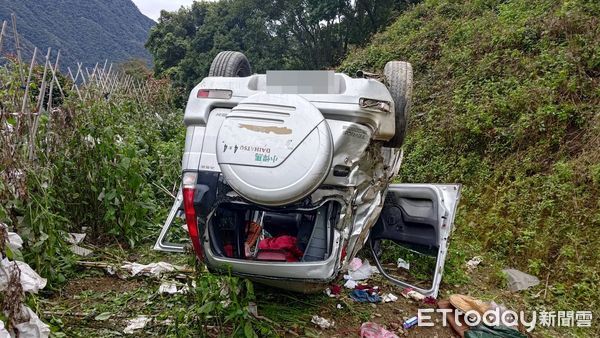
[399,80]
[230,64]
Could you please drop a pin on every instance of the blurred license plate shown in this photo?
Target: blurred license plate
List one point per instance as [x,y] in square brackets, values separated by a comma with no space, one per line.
[300,82]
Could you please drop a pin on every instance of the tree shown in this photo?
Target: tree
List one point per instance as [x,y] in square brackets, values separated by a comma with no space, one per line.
[274,34]
[137,68]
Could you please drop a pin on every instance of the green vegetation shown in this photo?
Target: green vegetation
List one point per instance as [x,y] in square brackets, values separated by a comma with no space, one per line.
[85,31]
[291,34]
[104,163]
[506,103]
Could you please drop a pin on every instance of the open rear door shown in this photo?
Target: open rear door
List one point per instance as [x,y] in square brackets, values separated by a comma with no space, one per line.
[410,240]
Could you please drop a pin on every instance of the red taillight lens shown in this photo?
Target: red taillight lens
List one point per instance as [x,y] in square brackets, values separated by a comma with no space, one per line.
[191,219]
[214,94]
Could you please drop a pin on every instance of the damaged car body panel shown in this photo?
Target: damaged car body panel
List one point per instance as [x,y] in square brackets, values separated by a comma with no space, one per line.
[284,184]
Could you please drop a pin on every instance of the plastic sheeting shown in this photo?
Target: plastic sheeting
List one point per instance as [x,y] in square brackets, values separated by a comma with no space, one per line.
[34,327]
[518,280]
[137,323]
[374,330]
[152,269]
[30,280]
[3,332]
[14,241]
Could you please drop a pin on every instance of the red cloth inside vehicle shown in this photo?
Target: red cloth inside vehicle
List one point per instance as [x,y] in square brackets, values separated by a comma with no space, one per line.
[285,245]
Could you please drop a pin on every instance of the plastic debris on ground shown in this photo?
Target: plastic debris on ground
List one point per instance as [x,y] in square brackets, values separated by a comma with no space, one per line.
[518,280]
[364,296]
[474,262]
[80,251]
[333,291]
[374,330]
[410,322]
[402,264]
[135,324]
[355,264]
[171,288]
[410,293]
[30,280]
[152,269]
[3,332]
[74,239]
[15,242]
[389,297]
[322,322]
[365,271]
[33,327]
[350,284]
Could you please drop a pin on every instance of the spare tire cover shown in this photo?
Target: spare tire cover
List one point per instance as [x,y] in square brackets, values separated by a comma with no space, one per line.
[274,149]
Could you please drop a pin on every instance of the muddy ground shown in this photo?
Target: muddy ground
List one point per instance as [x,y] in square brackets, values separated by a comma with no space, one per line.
[96,304]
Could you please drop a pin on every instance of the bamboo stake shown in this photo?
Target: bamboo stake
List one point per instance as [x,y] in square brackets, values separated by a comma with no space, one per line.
[54,79]
[2,35]
[39,107]
[26,96]
[18,46]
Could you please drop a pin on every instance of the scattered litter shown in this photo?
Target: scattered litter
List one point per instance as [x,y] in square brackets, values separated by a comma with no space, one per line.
[137,323]
[152,269]
[363,296]
[253,309]
[322,322]
[374,330]
[333,291]
[518,280]
[474,262]
[402,264]
[355,264]
[103,316]
[363,272]
[339,306]
[410,322]
[74,238]
[3,332]
[171,288]
[350,284]
[430,300]
[412,294]
[80,251]
[367,287]
[30,280]
[389,297]
[33,326]
[14,241]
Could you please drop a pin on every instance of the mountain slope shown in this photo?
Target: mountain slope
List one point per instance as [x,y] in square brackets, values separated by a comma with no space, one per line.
[506,102]
[87,31]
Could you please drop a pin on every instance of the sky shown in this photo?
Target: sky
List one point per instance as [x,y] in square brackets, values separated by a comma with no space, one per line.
[152,8]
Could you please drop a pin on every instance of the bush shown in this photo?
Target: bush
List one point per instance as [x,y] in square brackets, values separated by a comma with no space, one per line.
[506,99]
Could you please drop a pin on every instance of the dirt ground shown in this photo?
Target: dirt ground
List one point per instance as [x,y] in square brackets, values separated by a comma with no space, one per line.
[79,308]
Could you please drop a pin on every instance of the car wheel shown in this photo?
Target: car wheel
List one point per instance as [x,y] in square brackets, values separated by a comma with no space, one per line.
[399,79]
[230,64]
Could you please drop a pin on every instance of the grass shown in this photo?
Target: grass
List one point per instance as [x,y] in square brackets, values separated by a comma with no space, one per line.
[506,102]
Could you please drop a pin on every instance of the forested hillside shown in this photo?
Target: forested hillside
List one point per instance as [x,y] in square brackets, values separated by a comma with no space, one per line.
[87,31]
[506,102]
[292,34]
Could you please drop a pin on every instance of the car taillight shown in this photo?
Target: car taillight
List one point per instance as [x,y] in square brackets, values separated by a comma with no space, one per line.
[214,94]
[191,219]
